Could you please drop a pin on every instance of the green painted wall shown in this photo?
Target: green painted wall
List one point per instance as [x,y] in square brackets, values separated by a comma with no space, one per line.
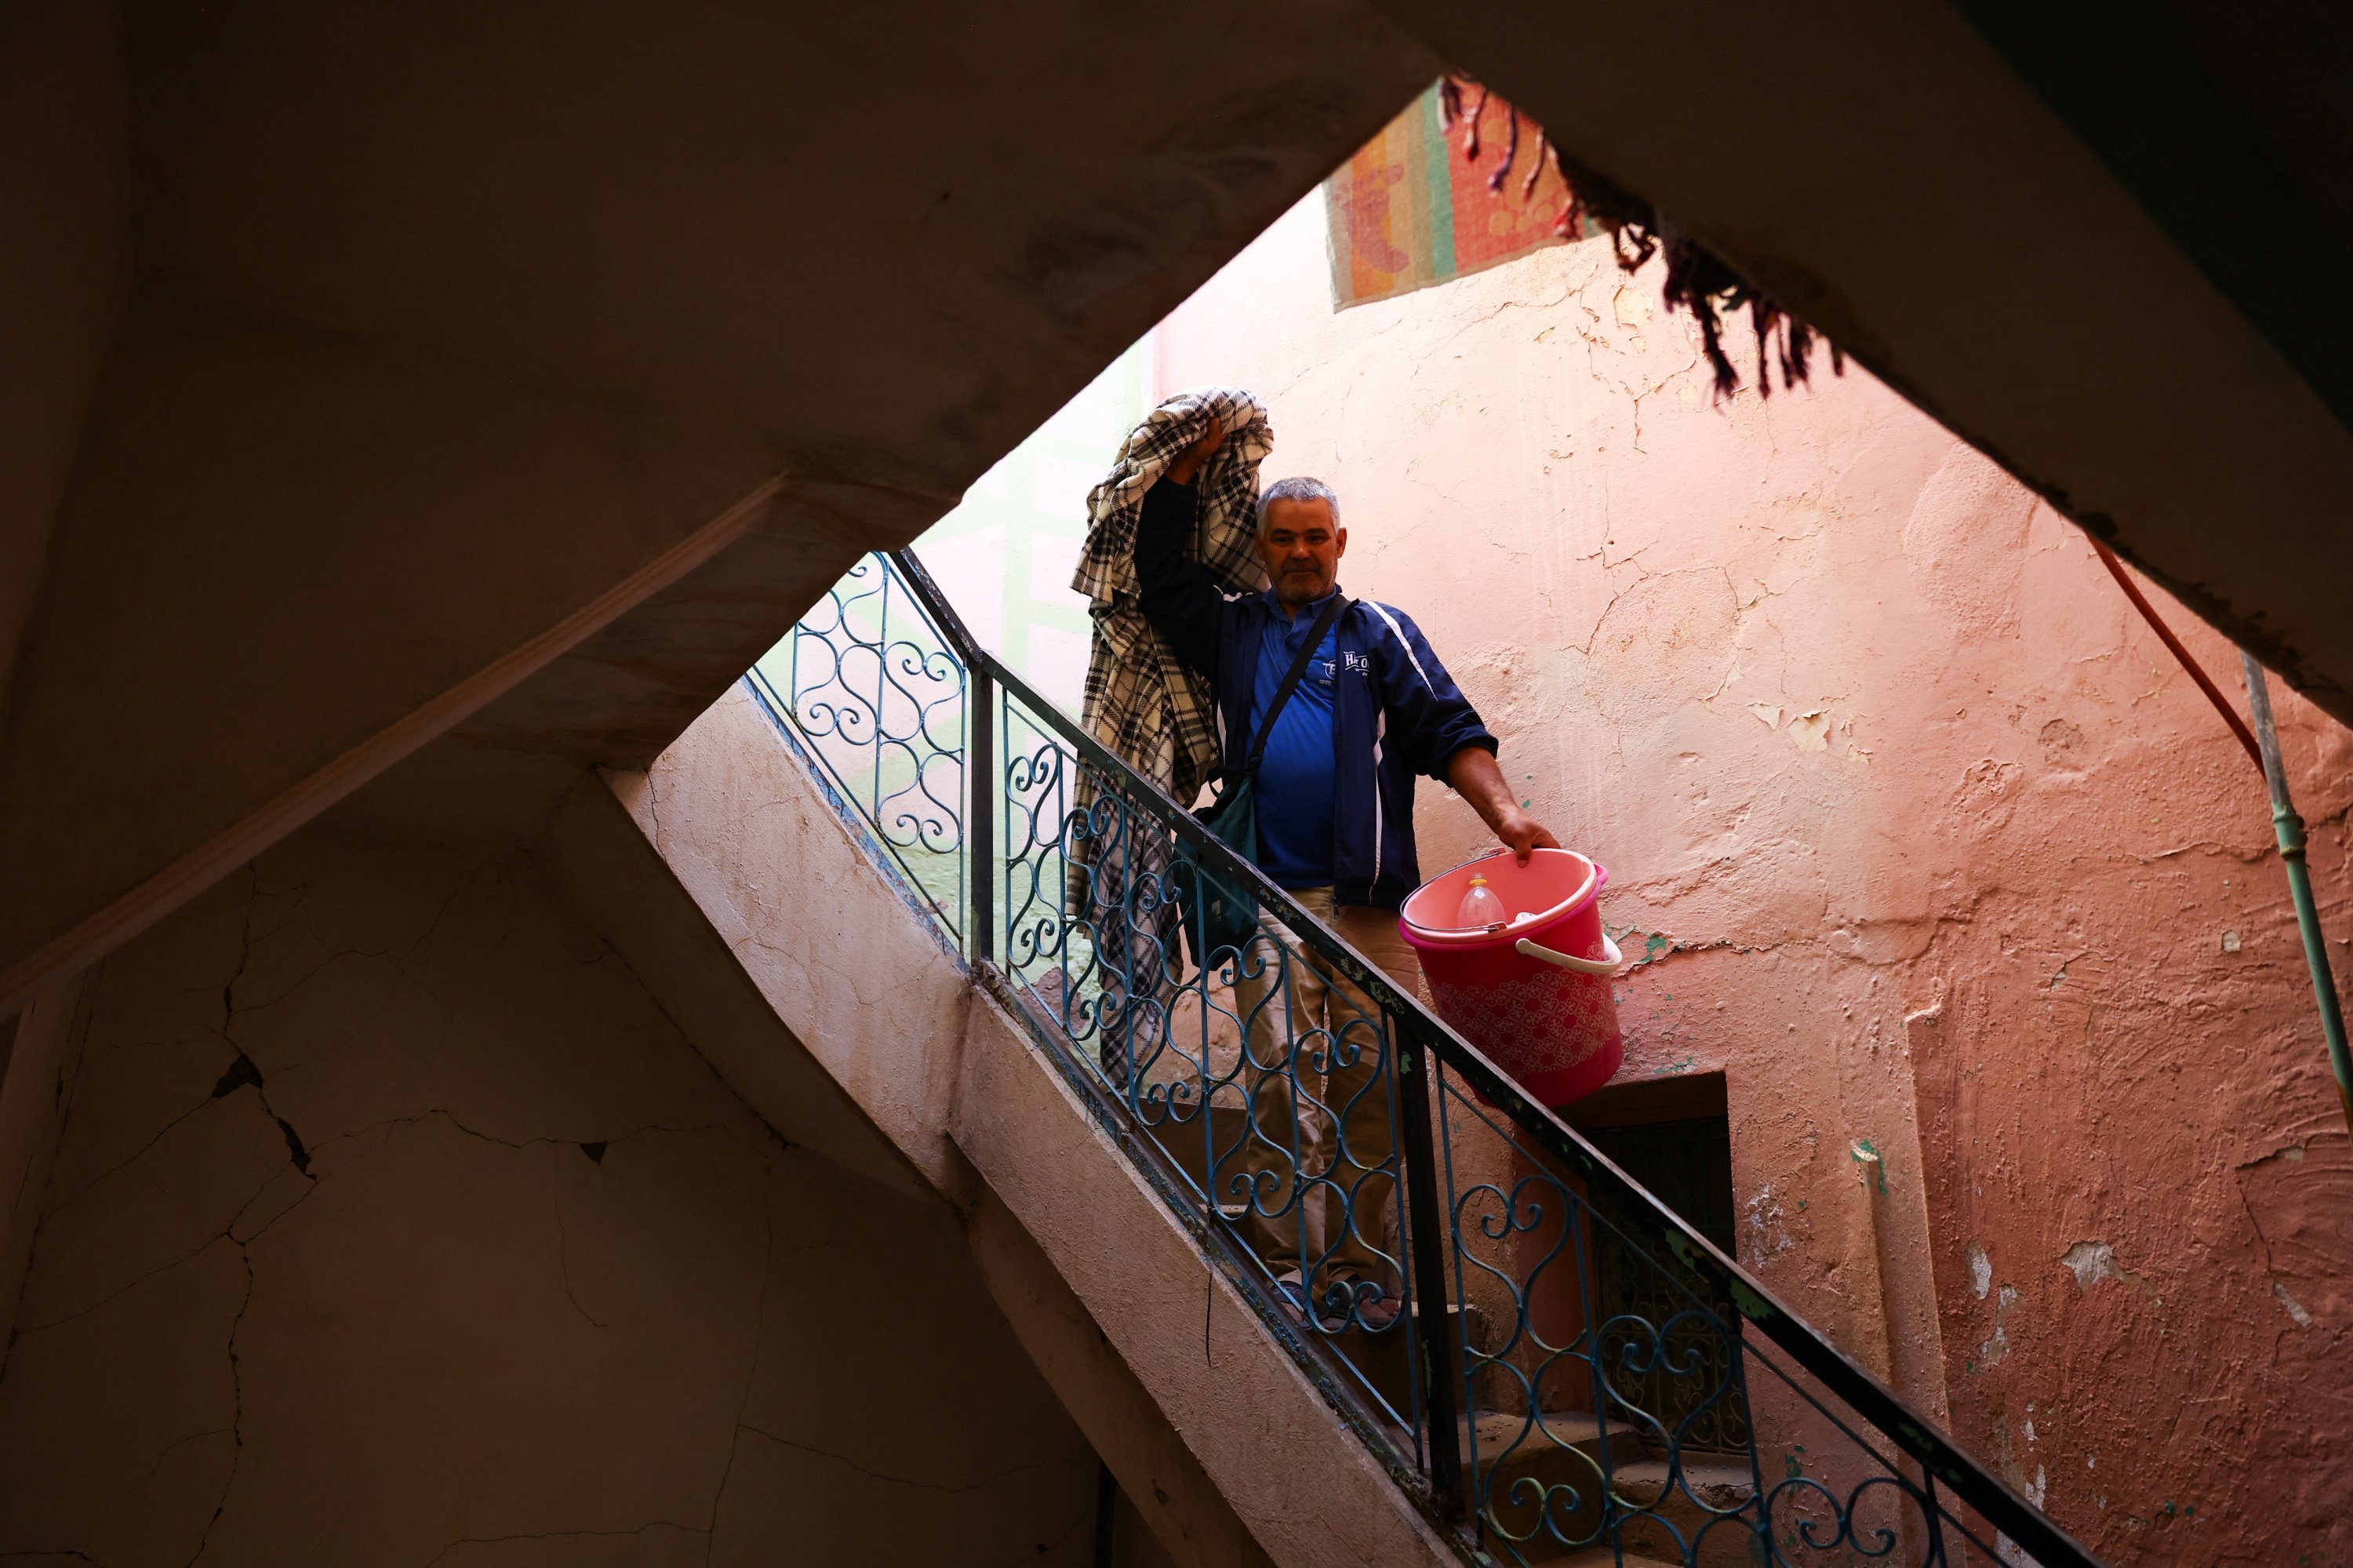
[1005,555]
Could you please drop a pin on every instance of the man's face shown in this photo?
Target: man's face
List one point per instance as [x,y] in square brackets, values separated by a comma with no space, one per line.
[1302,550]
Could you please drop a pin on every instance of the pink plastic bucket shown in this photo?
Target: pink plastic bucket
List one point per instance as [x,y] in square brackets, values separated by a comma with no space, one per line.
[1533,994]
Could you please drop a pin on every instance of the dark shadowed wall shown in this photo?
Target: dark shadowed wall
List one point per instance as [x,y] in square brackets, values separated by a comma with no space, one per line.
[394,1222]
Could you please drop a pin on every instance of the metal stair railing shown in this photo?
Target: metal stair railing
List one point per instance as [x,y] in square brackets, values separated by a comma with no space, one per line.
[1554,1364]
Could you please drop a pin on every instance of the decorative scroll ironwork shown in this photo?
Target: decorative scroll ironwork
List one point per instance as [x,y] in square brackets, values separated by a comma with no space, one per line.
[875,693]
[1263,1079]
[1552,1359]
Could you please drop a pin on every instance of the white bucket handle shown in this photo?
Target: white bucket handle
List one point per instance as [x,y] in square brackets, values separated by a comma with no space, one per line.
[1605,965]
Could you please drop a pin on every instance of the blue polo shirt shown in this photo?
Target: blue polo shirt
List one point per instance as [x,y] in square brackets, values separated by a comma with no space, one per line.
[1299,777]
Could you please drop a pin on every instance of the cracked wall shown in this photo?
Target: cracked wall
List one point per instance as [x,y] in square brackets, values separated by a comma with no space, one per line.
[1920,837]
[394,1222]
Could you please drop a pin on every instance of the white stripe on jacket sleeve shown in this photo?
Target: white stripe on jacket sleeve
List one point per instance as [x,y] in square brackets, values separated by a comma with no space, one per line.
[1403,642]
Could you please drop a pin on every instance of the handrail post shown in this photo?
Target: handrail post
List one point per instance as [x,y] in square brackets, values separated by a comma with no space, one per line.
[980,812]
[944,619]
[1434,1333]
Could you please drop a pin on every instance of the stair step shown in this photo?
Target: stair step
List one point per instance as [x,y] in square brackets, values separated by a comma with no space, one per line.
[1567,1450]
[1545,1431]
[1561,1451]
[1721,1484]
[1381,1356]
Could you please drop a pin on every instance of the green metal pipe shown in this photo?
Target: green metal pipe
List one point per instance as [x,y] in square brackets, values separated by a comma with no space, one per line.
[2290,828]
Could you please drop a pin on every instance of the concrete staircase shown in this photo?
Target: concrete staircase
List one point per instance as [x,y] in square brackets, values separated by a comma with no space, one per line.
[1238,1441]
[1233,1451]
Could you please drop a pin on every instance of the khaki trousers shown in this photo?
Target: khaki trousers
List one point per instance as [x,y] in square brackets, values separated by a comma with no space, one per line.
[1319,1068]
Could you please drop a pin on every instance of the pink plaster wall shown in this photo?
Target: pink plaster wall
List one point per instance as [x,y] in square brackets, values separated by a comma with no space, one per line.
[1922,838]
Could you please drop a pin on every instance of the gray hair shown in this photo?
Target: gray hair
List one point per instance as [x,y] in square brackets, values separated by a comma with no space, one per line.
[1299,489]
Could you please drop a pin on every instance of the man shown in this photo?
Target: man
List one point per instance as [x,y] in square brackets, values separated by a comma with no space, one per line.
[1148,709]
[1334,805]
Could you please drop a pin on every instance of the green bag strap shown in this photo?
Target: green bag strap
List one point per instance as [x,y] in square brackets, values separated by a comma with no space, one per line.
[1291,679]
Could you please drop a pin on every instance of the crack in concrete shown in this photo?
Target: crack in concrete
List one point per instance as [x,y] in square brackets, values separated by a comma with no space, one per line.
[133,1158]
[313,972]
[266,1224]
[564,1246]
[751,1374]
[566,1141]
[242,1075]
[133,1490]
[244,948]
[688,1040]
[228,1235]
[242,1072]
[782,1441]
[565,1535]
[235,1431]
[1568,290]
[237,1408]
[128,1286]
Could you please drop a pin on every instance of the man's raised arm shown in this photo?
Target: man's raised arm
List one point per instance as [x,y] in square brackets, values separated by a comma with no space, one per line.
[1181,598]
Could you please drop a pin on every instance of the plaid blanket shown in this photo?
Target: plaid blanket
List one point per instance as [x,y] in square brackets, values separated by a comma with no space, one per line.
[1144,705]
[1141,702]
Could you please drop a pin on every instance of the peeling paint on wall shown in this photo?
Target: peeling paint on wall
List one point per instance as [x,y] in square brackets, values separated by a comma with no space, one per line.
[2092,1261]
[1995,1346]
[1768,1237]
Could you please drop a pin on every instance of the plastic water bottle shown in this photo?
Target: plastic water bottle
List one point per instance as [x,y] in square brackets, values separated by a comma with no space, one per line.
[1480,907]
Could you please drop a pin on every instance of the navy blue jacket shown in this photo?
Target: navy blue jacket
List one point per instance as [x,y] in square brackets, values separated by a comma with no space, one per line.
[1397,712]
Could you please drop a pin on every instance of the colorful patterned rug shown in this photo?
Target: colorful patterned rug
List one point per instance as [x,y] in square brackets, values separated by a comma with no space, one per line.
[1409,210]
